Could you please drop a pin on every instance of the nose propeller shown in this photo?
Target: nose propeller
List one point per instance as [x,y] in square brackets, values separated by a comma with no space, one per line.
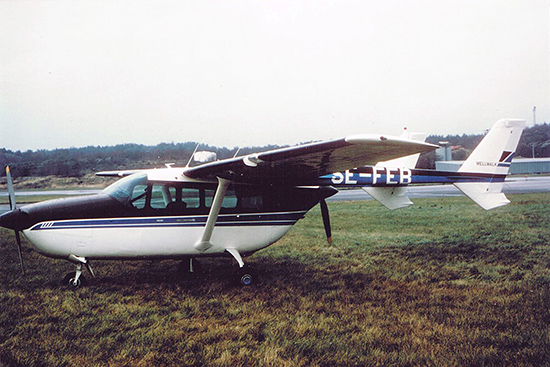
[326,220]
[13,207]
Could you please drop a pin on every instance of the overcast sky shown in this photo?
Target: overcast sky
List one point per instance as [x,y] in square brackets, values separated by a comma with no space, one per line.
[237,73]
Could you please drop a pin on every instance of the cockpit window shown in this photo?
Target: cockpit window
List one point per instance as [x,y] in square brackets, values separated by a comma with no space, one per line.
[128,188]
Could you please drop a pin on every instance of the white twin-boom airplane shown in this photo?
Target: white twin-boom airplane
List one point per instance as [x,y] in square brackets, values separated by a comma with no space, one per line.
[237,206]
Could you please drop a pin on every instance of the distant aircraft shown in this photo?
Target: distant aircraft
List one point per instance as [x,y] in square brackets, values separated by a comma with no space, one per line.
[235,207]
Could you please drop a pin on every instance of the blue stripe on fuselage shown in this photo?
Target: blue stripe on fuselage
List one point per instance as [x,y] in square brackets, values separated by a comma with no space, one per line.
[248,219]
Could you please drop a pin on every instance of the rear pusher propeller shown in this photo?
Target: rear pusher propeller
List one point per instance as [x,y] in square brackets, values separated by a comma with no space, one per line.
[326,220]
[13,206]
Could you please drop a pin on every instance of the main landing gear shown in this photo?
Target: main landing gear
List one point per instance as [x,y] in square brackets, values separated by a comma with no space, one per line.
[191,268]
[246,275]
[75,279]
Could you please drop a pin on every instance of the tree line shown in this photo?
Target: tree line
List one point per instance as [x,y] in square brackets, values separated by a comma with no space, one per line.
[77,162]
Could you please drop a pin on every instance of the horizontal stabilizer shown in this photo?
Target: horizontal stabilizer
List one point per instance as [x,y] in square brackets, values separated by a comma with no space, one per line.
[391,197]
[486,195]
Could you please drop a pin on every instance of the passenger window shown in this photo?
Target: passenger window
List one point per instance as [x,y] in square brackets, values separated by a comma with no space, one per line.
[138,197]
[160,197]
[229,201]
[191,197]
[209,197]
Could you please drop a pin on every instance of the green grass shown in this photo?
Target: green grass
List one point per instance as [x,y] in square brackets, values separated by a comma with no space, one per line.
[442,283]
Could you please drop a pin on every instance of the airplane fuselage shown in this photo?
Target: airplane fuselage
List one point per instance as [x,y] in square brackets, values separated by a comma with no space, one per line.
[137,218]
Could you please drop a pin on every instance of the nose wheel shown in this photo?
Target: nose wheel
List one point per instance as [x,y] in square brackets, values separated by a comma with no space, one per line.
[72,281]
[75,279]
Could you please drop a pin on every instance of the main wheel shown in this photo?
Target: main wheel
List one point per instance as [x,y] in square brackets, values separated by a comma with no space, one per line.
[69,280]
[246,275]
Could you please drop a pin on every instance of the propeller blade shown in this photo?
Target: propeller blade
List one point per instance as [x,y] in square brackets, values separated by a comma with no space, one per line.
[18,239]
[11,191]
[326,220]
[13,206]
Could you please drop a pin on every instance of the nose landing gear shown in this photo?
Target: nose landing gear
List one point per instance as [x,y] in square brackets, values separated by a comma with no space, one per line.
[75,279]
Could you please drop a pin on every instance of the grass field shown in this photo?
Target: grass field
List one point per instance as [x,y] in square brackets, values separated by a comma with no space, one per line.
[442,283]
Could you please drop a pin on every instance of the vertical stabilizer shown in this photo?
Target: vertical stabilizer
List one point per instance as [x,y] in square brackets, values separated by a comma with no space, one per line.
[493,156]
[494,153]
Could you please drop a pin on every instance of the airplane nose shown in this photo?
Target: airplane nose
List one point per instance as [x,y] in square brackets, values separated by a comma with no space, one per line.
[14,219]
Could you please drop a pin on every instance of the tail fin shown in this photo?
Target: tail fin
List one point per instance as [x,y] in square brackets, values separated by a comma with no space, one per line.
[492,156]
[393,197]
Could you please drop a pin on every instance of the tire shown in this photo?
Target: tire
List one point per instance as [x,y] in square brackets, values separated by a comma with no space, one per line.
[68,280]
[246,276]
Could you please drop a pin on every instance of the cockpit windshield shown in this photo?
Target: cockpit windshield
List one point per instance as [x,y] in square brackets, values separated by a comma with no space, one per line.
[122,189]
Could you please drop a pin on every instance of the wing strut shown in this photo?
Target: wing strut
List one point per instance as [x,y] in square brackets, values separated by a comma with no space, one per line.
[204,243]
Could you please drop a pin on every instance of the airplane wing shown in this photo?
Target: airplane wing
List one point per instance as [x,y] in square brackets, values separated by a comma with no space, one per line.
[303,164]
